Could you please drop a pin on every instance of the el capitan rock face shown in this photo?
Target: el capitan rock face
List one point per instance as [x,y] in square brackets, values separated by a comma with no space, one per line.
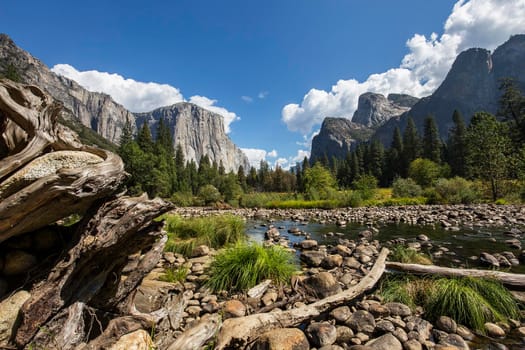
[373,110]
[471,85]
[199,132]
[337,137]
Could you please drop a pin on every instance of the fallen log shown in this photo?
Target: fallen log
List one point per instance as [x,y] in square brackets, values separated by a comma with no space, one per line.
[196,336]
[46,174]
[91,270]
[236,333]
[512,280]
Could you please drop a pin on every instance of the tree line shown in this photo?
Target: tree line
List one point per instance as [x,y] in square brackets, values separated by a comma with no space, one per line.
[490,148]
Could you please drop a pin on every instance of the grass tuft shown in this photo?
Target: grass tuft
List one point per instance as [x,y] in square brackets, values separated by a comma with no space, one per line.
[407,255]
[469,301]
[245,264]
[214,231]
[173,275]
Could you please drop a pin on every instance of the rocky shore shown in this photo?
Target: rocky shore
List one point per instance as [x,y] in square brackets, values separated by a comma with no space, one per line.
[187,310]
[367,322]
[449,216]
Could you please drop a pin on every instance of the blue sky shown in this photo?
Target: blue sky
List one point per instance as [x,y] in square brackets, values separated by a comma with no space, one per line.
[273,68]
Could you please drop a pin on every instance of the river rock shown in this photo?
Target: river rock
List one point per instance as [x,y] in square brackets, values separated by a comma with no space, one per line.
[398,309]
[313,258]
[454,340]
[342,250]
[341,314]
[269,297]
[201,250]
[9,309]
[362,321]
[352,263]
[17,262]
[446,324]
[332,261]
[385,342]
[412,344]
[282,339]
[324,284]
[272,234]
[384,326]
[378,310]
[138,340]
[493,330]
[308,244]
[488,259]
[344,334]
[234,308]
[464,332]
[321,333]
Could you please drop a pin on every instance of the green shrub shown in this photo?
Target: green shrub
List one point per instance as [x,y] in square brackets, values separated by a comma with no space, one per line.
[365,185]
[455,191]
[214,231]
[406,255]
[424,171]
[469,301]
[209,194]
[262,199]
[405,188]
[182,199]
[244,265]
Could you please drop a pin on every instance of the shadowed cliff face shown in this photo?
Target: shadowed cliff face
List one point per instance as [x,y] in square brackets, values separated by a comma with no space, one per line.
[196,129]
[337,137]
[199,132]
[471,85]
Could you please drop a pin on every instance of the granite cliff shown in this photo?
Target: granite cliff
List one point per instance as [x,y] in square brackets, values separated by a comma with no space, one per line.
[373,110]
[337,137]
[198,130]
[471,85]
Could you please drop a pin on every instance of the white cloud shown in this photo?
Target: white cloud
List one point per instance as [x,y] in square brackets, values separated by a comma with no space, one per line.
[283,163]
[247,99]
[139,96]
[255,155]
[474,23]
[262,94]
[272,154]
[134,95]
[301,153]
[209,104]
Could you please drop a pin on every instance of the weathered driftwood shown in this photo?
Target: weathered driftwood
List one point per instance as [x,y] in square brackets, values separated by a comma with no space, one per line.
[512,280]
[33,193]
[238,332]
[91,270]
[196,336]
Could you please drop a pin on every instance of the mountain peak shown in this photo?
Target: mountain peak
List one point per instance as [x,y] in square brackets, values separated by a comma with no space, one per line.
[373,109]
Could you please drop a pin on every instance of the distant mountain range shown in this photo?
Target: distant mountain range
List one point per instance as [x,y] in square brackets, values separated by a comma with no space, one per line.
[199,131]
[471,85]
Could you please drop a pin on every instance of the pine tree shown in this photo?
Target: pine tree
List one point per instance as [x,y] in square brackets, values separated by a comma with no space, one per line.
[457,148]
[411,145]
[144,138]
[394,163]
[376,158]
[487,147]
[432,145]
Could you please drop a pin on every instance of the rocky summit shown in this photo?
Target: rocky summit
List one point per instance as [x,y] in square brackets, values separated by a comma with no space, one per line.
[337,137]
[471,85]
[198,130]
[373,110]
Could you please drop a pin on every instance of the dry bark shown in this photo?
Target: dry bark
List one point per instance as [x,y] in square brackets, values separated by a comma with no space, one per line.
[196,336]
[30,129]
[512,280]
[236,333]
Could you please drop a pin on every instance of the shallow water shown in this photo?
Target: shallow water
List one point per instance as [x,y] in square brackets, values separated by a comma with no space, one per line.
[461,245]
